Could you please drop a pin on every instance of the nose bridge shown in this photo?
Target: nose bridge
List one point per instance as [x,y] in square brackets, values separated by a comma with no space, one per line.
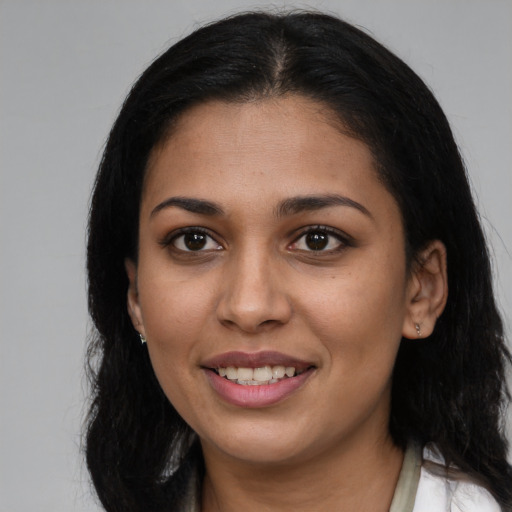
[253,297]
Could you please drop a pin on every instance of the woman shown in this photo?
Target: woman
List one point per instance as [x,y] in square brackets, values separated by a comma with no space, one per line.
[290,285]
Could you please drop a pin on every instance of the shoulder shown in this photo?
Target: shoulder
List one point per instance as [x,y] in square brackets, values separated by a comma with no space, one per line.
[436,492]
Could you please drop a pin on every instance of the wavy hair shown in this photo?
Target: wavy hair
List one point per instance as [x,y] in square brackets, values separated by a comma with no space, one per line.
[449,389]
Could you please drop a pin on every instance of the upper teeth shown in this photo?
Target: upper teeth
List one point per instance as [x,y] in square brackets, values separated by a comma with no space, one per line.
[262,375]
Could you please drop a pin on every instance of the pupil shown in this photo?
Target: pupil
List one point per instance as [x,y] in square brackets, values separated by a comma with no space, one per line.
[317,241]
[195,241]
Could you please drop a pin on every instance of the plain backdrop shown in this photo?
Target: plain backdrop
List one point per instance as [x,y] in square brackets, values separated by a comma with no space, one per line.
[65,68]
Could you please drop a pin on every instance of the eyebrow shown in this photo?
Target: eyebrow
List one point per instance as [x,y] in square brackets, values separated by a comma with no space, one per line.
[299,204]
[190,204]
[290,206]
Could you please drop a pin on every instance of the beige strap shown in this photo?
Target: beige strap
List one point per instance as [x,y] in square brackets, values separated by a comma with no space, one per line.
[407,485]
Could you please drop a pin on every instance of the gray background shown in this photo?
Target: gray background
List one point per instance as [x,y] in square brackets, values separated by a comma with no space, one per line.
[65,67]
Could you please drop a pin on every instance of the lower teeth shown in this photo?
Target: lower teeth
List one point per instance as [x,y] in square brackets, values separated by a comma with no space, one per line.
[255,382]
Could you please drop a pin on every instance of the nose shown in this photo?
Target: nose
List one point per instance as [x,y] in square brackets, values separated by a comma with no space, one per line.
[253,298]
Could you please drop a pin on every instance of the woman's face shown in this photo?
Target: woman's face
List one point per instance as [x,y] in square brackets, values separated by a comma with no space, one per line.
[268,248]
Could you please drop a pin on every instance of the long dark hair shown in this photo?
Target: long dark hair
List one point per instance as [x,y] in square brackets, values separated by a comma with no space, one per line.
[449,389]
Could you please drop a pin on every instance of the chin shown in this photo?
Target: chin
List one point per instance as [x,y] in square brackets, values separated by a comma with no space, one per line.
[256,444]
[264,452]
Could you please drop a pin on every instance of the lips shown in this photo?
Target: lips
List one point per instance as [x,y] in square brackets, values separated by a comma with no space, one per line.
[240,378]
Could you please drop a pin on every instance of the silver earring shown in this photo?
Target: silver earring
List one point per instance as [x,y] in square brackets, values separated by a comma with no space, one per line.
[418,329]
[142,339]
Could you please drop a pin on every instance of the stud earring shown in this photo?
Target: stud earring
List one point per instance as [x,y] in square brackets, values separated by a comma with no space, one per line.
[418,329]
[142,339]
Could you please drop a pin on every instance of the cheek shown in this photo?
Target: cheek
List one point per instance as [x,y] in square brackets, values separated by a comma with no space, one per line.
[177,321]
[173,306]
[175,315]
[364,298]
[359,314]
[173,327]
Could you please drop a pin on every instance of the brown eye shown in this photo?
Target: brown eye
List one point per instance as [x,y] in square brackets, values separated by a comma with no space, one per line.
[194,241]
[317,241]
[320,240]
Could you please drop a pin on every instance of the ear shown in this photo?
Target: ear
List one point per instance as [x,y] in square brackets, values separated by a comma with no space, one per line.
[427,291]
[133,297]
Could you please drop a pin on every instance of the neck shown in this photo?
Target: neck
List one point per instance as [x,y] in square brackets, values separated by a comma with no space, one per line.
[356,476]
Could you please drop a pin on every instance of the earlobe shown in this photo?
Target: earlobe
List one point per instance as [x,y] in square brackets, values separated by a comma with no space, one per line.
[427,291]
[133,297]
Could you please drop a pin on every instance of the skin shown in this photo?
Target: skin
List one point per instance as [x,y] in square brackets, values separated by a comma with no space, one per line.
[256,285]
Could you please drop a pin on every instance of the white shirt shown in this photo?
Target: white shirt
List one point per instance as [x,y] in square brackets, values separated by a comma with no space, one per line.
[420,490]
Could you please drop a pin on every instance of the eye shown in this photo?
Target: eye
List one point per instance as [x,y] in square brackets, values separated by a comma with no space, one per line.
[194,240]
[319,239]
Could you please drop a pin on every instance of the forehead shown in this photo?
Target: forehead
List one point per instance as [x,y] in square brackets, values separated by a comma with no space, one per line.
[291,121]
[261,150]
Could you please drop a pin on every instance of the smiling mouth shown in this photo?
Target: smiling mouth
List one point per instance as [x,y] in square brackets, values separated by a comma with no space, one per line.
[258,379]
[263,375]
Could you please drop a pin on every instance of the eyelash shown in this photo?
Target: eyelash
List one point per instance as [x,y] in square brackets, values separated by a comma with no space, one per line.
[343,239]
[170,239]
